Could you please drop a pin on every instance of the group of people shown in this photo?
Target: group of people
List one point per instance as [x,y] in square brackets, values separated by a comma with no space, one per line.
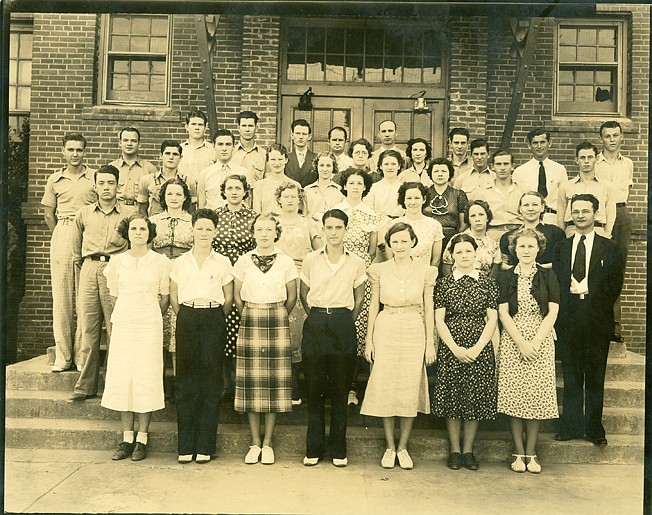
[250,265]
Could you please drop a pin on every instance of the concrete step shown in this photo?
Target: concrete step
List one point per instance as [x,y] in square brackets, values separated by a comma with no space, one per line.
[624,394]
[54,405]
[233,440]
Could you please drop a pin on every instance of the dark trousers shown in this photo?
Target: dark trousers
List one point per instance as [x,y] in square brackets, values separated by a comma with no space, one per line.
[583,353]
[328,349]
[200,338]
[622,234]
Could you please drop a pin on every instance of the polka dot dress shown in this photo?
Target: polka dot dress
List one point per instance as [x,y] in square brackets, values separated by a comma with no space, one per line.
[465,391]
[527,389]
[234,239]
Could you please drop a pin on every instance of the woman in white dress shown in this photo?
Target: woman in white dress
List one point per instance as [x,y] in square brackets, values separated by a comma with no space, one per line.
[139,279]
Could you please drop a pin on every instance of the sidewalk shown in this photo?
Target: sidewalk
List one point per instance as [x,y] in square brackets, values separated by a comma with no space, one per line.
[78,481]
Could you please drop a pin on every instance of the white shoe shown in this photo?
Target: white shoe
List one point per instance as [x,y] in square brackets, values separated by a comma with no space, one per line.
[404,460]
[518,465]
[353,398]
[310,462]
[184,458]
[267,455]
[296,402]
[56,368]
[533,465]
[389,459]
[253,455]
[202,458]
[340,462]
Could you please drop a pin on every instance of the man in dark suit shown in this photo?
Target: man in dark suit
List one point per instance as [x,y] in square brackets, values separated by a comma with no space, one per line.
[589,269]
[299,165]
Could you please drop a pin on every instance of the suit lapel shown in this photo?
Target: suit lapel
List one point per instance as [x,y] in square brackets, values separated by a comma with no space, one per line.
[597,252]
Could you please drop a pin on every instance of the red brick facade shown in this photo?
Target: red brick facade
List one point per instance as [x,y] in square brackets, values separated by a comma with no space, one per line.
[246,76]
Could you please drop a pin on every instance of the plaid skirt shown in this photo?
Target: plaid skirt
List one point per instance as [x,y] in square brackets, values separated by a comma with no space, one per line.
[263,370]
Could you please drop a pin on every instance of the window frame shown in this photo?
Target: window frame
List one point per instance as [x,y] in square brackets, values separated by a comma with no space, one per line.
[104,59]
[16,116]
[620,67]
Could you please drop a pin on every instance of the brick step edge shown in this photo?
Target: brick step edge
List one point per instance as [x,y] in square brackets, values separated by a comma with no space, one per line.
[233,440]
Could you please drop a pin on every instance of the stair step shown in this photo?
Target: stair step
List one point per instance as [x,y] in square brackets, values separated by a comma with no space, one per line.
[54,405]
[625,394]
[290,441]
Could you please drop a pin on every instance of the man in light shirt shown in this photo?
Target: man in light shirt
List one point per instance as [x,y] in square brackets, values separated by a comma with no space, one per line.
[246,152]
[458,147]
[541,173]
[387,134]
[480,176]
[211,178]
[198,152]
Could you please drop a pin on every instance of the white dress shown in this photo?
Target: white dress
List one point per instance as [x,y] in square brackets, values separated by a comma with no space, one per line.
[134,375]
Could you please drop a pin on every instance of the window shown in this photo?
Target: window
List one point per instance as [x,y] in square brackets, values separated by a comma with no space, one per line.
[591,72]
[135,67]
[363,54]
[20,75]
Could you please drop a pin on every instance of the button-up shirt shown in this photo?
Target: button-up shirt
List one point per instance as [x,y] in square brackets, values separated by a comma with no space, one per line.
[383,198]
[581,287]
[620,173]
[527,178]
[150,188]
[265,287]
[464,167]
[253,160]
[600,189]
[96,232]
[210,181]
[474,181]
[332,284]
[205,283]
[129,182]
[195,159]
[320,199]
[68,194]
[503,204]
[343,162]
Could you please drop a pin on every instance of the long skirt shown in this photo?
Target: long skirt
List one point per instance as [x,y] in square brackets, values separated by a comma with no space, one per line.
[263,372]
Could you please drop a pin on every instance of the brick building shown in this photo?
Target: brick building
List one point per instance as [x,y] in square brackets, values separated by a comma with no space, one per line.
[95,73]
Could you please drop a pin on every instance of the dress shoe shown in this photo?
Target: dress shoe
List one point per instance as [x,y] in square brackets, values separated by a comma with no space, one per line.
[202,459]
[533,465]
[267,456]
[184,458]
[77,397]
[57,369]
[618,338]
[389,459]
[296,402]
[124,451]
[561,437]
[469,460]
[404,460]
[140,451]
[518,465]
[253,455]
[455,461]
[353,398]
[310,462]
[599,442]
[340,462]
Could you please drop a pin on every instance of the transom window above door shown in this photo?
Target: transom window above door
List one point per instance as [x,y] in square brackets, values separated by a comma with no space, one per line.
[387,54]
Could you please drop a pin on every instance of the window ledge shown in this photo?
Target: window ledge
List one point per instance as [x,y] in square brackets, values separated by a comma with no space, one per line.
[591,123]
[132,113]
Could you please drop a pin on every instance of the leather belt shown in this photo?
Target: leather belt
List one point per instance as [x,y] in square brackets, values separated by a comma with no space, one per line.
[202,305]
[403,309]
[98,257]
[332,311]
[621,204]
[65,221]
[128,202]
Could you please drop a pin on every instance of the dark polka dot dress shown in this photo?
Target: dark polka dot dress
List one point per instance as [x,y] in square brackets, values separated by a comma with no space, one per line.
[465,391]
[234,239]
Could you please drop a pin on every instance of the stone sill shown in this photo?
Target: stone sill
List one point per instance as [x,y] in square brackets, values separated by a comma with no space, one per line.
[590,123]
[132,113]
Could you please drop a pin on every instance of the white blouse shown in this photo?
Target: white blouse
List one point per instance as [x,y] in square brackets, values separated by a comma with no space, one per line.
[268,287]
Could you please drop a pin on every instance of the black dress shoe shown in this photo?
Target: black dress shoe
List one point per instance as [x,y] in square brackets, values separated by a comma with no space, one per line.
[618,338]
[77,397]
[470,461]
[140,451]
[599,442]
[124,451]
[455,461]
[561,437]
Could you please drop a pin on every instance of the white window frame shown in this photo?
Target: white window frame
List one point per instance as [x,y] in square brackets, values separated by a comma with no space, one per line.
[104,62]
[620,66]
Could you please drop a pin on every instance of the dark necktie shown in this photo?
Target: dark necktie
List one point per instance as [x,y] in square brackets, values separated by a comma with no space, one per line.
[542,188]
[264,263]
[579,266]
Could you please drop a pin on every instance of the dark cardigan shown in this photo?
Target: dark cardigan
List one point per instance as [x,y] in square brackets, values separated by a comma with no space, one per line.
[545,289]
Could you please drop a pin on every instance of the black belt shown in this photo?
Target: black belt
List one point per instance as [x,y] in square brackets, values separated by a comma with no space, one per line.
[332,311]
[128,202]
[98,257]
[550,210]
[621,204]
[596,224]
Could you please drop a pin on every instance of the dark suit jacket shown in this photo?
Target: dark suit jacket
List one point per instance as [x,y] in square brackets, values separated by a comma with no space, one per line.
[605,282]
[303,175]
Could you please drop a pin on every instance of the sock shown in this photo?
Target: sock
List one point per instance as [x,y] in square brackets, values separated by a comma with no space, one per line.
[141,438]
[128,436]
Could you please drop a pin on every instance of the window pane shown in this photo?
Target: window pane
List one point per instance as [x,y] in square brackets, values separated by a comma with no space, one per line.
[139,44]
[587,37]
[335,41]
[25,72]
[567,36]
[603,94]
[567,54]
[374,42]
[158,45]
[584,77]
[25,46]
[412,70]
[139,67]
[566,77]
[12,97]
[354,69]
[335,68]
[587,54]
[321,123]
[157,67]
[403,122]
[354,41]
[140,25]
[393,43]
[422,126]
[120,66]
[158,83]
[139,83]
[432,69]
[342,118]
[584,93]
[119,44]
[13,46]
[119,82]
[607,55]
[296,39]
[603,77]
[120,24]
[607,37]
[24,95]
[373,69]
[566,93]
[13,72]
[315,68]
[316,40]
[160,26]
[413,43]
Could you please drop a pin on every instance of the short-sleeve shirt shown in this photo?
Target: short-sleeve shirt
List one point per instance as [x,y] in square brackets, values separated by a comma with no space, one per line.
[397,291]
[210,181]
[195,159]
[487,254]
[264,287]
[465,166]
[264,193]
[205,283]
[601,189]
[154,273]
[96,232]
[318,200]
[68,195]
[129,182]
[383,198]
[504,206]
[150,188]
[253,160]
[428,231]
[619,173]
[332,285]
[473,182]
[553,235]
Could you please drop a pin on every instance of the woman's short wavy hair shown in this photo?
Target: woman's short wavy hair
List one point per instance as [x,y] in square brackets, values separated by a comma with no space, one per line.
[525,233]
[403,189]
[315,162]
[176,181]
[484,205]
[267,217]
[356,171]
[400,227]
[462,238]
[390,153]
[123,227]
[238,177]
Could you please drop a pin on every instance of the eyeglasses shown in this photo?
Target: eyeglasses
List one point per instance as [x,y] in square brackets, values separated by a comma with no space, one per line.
[439,205]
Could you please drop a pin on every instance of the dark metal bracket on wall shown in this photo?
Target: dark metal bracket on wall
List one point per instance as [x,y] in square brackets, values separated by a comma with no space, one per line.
[206,28]
[525,49]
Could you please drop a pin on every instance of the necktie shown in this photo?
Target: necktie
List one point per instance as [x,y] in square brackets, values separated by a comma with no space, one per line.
[542,188]
[301,158]
[579,266]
